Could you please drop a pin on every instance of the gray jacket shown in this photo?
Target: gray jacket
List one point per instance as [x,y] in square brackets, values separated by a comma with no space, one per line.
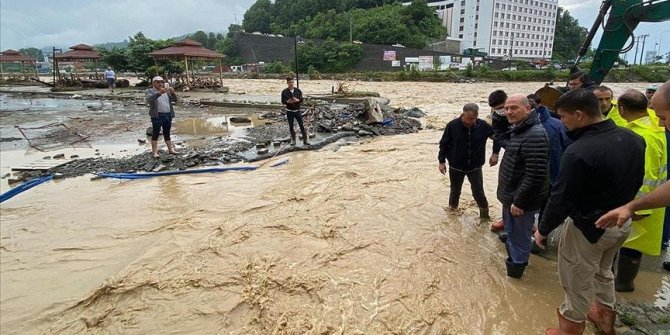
[150,97]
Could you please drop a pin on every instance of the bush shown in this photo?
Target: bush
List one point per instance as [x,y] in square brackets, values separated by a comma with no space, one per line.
[275,67]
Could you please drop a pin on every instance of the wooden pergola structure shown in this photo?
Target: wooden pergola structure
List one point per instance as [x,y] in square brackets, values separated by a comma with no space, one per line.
[13,56]
[188,49]
[77,53]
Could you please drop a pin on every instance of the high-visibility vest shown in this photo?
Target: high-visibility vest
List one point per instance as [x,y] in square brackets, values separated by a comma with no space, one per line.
[646,233]
[615,116]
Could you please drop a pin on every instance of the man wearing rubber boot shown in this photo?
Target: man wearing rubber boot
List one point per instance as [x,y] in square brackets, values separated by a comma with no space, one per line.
[602,169]
[523,180]
[647,225]
[292,98]
[501,133]
[463,144]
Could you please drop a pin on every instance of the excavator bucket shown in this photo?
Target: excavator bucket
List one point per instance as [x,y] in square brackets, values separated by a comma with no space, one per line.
[549,95]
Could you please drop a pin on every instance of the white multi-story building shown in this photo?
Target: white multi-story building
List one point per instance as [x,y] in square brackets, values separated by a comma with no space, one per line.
[515,28]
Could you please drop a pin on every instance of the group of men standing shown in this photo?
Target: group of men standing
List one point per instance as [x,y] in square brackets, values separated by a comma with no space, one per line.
[600,156]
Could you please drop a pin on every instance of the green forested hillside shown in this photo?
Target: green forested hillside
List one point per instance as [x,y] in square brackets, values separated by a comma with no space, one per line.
[370,21]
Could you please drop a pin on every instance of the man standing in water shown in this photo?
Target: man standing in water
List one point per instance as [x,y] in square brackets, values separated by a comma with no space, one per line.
[463,144]
[292,98]
[160,97]
[523,180]
[602,169]
[110,77]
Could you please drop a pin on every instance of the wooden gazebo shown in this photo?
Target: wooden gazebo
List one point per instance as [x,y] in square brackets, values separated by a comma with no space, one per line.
[13,56]
[77,53]
[186,50]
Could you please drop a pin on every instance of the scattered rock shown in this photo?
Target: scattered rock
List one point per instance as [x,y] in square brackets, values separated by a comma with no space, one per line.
[58,176]
[240,119]
[59,156]
[74,156]
[415,113]
[141,141]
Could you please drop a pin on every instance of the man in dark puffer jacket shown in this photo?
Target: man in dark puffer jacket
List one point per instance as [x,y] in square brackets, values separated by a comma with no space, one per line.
[523,180]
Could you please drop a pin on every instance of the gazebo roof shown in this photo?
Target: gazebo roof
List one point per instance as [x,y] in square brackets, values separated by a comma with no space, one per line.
[186,48]
[79,52]
[13,56]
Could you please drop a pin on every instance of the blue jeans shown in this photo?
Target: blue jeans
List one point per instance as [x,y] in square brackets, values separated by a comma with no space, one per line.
[519,232]
[164,120]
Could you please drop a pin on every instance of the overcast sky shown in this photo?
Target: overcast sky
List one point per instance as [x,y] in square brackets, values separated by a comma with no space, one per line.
[64,23]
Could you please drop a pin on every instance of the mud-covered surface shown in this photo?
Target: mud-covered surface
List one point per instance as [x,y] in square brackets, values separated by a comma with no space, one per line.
[352,238]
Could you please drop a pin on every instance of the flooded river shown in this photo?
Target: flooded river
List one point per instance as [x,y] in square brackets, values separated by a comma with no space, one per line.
[350,239]
[357,240]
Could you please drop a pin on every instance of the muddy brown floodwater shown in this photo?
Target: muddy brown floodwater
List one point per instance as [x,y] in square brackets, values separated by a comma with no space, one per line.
[353,239]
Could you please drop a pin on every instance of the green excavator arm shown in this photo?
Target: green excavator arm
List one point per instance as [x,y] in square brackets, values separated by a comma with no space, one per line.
[624,16]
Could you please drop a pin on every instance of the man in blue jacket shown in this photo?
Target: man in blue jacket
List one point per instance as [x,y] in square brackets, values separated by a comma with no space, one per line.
[463,144]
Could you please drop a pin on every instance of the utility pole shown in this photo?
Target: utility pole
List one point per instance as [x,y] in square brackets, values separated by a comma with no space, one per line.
[55,63]
[644,40]
[511,43]
[637,45]
[351,32]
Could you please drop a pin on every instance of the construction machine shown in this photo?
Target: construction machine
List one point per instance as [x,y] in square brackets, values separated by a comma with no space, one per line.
[623,16]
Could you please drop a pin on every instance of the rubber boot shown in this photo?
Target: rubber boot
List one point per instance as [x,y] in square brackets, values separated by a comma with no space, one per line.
[627,268]
[515,270]
[154,149]
[170,147]
[566,327]
[498,226]
[484,213]
[293,140]
[603,318]
[305,139]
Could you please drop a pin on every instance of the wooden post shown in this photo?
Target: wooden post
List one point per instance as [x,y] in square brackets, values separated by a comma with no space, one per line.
[2,73]
[220,73]
[186,65]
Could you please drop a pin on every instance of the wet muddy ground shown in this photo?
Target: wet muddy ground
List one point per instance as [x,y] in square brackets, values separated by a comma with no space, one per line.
[352,238]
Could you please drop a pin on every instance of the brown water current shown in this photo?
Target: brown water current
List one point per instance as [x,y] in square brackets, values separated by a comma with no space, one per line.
[353,241]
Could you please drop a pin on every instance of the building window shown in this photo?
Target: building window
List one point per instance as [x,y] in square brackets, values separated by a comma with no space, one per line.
[460,35]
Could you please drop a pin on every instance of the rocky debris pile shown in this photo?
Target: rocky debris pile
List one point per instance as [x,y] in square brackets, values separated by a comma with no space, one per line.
[372,117]
[641,318]
[219,151]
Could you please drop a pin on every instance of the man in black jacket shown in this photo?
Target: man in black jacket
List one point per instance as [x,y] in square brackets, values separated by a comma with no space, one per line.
[292,97]
[463,144]
[501,133]
[601,170]
[523,180]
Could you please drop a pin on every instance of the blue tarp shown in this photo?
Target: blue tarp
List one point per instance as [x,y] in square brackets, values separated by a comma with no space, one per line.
[126,175]
[24,187]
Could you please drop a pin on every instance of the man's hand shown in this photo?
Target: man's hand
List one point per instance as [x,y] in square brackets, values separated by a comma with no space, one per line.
[443,168]
[516,211]
[493,160]
[615,217]
[539,240]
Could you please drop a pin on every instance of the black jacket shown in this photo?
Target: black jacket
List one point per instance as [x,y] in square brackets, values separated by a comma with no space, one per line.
[286,95]
[463,147]
[523,178]
[602,170]
[501,133]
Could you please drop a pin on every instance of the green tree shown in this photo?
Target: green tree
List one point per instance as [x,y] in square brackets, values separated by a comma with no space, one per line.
[200,37]
[34,53]
[117,58]
[211,41]
[568,37]
[258,17]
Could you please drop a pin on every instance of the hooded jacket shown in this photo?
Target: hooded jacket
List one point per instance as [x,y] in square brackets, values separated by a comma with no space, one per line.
[523,178]
[558,140]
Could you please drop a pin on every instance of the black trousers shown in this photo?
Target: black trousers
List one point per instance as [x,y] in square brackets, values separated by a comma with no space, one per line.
[476,180]
[296,115]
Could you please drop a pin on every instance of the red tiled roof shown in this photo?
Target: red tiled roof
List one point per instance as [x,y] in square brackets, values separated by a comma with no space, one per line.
[12,56]
[79,52]
[186,48]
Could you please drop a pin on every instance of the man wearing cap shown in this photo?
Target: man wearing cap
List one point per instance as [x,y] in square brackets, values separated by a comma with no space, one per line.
[650,93]
[291,96]
[160,97]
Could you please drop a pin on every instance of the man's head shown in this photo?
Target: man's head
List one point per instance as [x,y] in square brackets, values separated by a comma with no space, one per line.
[576,80]
[290,82]
[535,100]
[497,101]
[469,115]
[632,105]
[650,92]
[109,67]
[661,104]
[517,108]
[605,96]
[157,82]
[578,108]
